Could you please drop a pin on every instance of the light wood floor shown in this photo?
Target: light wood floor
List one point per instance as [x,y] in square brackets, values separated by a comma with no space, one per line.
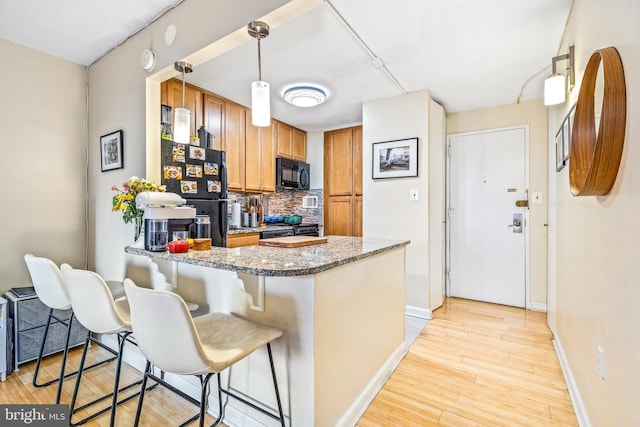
[161,406]
[476,364]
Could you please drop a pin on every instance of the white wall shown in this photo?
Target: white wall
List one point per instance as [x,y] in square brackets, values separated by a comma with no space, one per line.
[42,118]
[534,114]
[596,289]
[387,210]
[315,157]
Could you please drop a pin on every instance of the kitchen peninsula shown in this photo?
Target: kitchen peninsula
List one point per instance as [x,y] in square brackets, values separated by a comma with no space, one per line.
[340,305]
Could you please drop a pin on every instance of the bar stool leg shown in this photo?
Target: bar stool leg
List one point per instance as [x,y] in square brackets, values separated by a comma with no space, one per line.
[42,342]
[142,390]
[79,377]
[61,378]
[203,399]
[275,384]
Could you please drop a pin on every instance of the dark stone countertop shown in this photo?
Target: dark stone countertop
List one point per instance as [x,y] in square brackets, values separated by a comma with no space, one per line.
[271,261]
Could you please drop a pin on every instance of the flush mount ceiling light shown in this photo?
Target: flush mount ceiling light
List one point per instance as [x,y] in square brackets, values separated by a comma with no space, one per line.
[182,122]
[555,90]
[260,102]
[304,95]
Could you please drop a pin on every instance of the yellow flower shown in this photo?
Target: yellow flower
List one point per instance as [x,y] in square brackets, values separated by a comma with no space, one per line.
[125,200]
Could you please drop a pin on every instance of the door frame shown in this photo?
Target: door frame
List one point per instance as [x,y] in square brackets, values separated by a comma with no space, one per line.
[527,248]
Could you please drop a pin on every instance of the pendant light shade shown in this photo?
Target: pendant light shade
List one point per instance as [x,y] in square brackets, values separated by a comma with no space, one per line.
[182,117]
[554,90]
[182,125]
[260,97]
[260,104]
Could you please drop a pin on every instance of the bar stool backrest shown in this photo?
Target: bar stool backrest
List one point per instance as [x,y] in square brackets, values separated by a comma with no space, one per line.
[165,331]
[92,301]
[48,282]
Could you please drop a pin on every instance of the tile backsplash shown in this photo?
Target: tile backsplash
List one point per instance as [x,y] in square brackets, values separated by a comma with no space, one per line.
[288,202]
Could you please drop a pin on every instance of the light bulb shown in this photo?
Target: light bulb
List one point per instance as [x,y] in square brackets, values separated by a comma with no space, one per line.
[554,90]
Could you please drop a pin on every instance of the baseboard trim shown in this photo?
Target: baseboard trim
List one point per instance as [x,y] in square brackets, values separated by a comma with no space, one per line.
[576,398]
[422,313]
[362,402]
[538,306]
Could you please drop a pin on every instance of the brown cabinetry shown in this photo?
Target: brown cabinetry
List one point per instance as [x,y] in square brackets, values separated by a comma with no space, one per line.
[343,182]
[214,119]
[234,140]
[260,172]
[244,239]
[291,142]
[171,95]
[250,151]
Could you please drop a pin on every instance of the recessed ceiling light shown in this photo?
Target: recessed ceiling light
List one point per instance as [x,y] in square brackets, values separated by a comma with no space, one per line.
[305,95]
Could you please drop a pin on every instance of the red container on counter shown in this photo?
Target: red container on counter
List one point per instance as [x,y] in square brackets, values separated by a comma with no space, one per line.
[177,246]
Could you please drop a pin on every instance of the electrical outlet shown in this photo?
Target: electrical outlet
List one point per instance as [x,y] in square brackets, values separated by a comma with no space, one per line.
[413,194]
[600,362]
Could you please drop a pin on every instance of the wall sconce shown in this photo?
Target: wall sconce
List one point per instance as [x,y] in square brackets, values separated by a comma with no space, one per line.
[260,102]
[555,90]
[182,122]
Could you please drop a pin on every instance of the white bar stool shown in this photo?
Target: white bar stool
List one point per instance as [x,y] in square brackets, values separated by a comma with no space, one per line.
[175,342]
[96,310]
[50,288]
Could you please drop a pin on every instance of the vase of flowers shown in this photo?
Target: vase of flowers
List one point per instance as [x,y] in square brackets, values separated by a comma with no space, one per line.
[125,201]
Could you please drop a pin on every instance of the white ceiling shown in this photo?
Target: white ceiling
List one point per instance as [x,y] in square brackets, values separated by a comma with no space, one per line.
[470,54]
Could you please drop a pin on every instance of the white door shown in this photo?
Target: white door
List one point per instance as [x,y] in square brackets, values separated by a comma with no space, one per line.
[487,238]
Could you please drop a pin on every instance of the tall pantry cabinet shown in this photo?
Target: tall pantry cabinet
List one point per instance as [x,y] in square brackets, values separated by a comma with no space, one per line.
[343,182]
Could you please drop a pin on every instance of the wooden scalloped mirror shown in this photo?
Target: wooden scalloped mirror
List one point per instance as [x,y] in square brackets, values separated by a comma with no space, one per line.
[596,151]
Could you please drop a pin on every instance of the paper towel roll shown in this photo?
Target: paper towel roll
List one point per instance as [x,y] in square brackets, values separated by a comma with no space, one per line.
[236,211]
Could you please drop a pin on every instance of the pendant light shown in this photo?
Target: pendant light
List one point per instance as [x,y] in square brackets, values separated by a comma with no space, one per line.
[260,100]
[182,122]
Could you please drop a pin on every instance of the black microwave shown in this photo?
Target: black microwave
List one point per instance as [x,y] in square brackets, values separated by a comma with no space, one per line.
[292,174]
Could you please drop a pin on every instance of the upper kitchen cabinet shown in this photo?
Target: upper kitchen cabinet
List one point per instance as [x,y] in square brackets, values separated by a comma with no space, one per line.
[260,171]
[171,95]
[214,115]
[291,142]
[343,182]
[234,145]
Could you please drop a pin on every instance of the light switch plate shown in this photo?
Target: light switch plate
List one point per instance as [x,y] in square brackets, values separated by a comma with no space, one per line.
[413,194]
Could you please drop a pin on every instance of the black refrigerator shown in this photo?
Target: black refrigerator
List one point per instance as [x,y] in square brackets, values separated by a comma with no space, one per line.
[198,175]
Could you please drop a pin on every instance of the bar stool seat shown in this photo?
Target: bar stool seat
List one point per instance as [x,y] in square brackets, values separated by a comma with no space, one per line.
[175,342]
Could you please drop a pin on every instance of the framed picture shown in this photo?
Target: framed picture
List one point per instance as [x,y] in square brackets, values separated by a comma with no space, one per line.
[111,152]
[395,159]
[566,138]
[559,149]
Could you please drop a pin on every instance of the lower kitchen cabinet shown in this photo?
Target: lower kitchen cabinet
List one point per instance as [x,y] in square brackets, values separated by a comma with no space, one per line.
[243,239]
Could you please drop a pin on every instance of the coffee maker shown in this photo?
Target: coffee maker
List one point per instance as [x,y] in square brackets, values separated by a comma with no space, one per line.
[165,218]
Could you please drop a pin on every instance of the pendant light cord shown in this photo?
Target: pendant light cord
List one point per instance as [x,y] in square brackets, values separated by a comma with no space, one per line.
[259,62]
[183,87]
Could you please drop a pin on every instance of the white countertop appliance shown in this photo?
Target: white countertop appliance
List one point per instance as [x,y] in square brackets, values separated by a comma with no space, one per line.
[165,218]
